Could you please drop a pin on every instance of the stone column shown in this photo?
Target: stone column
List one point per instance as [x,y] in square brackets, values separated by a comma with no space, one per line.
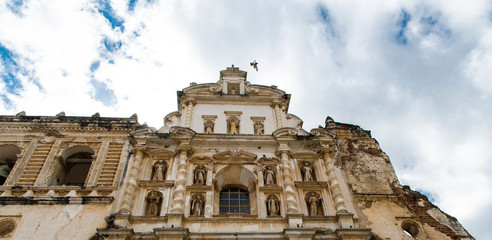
[177,204]
[189,113]
[336,194]
[278,116]
[132,183]
[290,195]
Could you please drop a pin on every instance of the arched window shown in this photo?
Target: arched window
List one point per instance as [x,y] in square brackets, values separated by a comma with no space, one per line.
[234,200]
[78,166]
[73,167]
[8,158]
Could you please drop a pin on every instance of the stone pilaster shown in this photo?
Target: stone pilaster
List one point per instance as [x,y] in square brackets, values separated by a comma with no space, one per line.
[278,115]
[132,183]
[333,182]
[189,113]
[177,204]
[290,195]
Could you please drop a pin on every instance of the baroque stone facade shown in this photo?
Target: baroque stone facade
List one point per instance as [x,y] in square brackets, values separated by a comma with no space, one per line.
[231,163]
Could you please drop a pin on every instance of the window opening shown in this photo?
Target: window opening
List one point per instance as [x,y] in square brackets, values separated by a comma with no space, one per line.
[234,200]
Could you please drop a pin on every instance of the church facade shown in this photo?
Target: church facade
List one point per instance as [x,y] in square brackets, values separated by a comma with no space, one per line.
[231,163]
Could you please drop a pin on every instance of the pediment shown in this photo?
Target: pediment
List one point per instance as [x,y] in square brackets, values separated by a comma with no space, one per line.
[305,155]
[206,88]
[235,156]
[265,161]
[285,132]
[163,154]
[323,133]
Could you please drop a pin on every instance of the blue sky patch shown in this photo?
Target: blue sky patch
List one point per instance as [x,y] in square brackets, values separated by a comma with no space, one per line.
[15,6]
[326,18]
[110,45]
[433,25]
[11,69]
[131,5]
[95,65]
[103,93]
[402,24]
[104,8]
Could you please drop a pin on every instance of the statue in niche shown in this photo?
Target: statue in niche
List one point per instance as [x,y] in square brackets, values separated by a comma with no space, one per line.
[273,206]
[307,172]
[197,205]
[313,201]
[259,130]
[209,126]
[233,126]
[159,170]
[154,199]
[200,175]
[269,176]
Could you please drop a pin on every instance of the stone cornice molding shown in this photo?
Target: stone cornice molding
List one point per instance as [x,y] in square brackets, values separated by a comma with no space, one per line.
[305,155]
[285,133]
[235,156]
[266,161]
[163,154]
[323,133]
[181,132]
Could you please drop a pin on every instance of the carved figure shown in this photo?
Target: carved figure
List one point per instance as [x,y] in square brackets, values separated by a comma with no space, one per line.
[159,170]
[233,89]
[269,175]
[200,175]
[312,200]
[307,172]
[273,206]
[209,127]
[233,126]
[154,199]
[197,205]
[259,128]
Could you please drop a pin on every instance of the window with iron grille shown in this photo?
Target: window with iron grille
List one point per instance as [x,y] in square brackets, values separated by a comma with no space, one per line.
[234,200]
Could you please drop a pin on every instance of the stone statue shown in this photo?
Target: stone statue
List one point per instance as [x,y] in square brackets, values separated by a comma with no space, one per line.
[200,175]
[307,172]
[258,128]
[159,170]
[312,200]
[269,175]
[273,206]
[209,127]
[154,199]
[197,205]
[233,126]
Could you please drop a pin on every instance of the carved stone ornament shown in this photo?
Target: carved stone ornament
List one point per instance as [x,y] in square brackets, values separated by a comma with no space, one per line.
[273,205]
[235,156]
[285,132]
[154,200]
[197,204]
[313,202]
[270,176]
[200,175]
[307,171]
[159,170]
[322,132]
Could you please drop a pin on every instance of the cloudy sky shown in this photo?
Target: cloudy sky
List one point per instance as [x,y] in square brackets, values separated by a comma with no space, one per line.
[418,74]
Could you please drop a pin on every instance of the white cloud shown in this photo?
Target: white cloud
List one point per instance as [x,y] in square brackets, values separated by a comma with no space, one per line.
[427,101]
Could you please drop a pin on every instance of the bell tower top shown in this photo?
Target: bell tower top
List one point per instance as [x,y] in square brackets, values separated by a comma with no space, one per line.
[233,81]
